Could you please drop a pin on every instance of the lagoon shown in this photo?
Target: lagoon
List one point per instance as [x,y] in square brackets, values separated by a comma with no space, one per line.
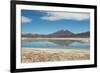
[73,44]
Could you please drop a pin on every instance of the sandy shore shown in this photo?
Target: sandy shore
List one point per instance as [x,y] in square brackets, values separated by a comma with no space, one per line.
[30,55]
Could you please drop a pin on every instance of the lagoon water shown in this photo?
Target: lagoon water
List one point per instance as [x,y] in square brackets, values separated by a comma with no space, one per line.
[65,44]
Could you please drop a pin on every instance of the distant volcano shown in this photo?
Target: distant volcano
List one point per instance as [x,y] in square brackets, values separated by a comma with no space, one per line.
[62,33]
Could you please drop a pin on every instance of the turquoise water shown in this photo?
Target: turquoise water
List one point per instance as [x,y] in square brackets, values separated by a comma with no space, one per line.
[55,44]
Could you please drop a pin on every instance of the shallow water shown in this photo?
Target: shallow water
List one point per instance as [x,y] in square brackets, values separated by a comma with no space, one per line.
[67,44]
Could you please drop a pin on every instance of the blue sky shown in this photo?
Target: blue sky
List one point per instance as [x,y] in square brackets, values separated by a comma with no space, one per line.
[45,22]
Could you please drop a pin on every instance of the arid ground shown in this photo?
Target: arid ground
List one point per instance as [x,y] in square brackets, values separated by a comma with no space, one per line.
[30,55]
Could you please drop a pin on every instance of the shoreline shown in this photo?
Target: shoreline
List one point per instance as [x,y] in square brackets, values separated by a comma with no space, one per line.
[55,38]
[30,55]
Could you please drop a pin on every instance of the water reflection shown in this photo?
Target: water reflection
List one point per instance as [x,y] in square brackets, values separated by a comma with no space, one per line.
[70,43]
[56,43]
[62,43]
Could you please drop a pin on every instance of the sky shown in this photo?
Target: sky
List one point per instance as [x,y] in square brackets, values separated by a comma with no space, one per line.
[46,22]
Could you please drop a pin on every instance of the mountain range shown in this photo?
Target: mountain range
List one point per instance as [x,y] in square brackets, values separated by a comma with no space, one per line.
[60,33]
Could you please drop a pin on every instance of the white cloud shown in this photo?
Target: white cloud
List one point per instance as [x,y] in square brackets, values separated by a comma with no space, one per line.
[54,16]
[25,19]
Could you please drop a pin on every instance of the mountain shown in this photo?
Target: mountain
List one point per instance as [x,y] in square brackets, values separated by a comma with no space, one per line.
[83,34]
[57,34]
[30,35]
[61,33]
